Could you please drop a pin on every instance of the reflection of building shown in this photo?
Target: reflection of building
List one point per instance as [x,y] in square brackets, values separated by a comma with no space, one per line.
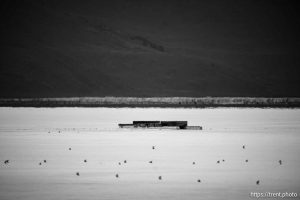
[158,124]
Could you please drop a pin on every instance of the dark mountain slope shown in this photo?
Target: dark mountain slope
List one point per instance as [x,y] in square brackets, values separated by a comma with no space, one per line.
[143,48]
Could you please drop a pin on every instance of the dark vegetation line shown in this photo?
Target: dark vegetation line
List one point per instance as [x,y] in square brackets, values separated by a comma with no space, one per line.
[164,102]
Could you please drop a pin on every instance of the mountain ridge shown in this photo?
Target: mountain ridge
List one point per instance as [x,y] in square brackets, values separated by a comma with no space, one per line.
[143,49]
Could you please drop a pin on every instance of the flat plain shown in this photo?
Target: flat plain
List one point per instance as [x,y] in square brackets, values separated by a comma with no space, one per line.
[46,147]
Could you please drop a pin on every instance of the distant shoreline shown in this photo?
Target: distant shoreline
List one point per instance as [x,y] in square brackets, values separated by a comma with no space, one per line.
[162,102]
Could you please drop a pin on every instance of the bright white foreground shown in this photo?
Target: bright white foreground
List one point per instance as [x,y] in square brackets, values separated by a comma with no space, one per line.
[270,135]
